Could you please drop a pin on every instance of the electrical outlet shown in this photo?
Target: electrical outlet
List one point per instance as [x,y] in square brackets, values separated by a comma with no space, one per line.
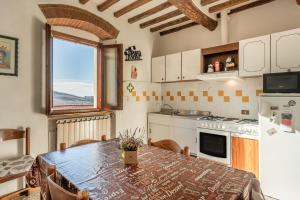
[245,112]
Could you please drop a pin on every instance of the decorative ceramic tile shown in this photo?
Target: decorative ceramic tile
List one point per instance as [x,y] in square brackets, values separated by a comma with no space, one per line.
[182,98]
[156,98]
[258,92]
[133,93]
[245,99]
[168,93]
[238,93]
[195,98]
[172,98]
[144,93]
[137,98]
[147,98]
[226,99]
[178,93]
[221,93]
[153,93]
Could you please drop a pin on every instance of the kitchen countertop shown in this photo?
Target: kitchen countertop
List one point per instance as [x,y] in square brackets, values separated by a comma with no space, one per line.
[196,118]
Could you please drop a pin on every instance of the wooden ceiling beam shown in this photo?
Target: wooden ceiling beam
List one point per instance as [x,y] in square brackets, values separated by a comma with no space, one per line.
[298,2]
[160,18]
[83,1]
[207,2]
[131,7]
[225,5]
[170,23]
[189,9]
[106,4]
[173,30]
[249,5]
[149,12]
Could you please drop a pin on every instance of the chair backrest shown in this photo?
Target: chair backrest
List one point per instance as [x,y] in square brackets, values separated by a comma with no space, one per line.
[170,145]
[82,142]
[12,134]
[57,192]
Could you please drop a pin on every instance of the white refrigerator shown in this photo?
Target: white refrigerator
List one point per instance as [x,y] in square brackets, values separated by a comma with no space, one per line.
[279,119]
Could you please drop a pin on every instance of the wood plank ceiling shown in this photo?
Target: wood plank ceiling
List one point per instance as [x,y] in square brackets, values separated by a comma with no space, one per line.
[169,16]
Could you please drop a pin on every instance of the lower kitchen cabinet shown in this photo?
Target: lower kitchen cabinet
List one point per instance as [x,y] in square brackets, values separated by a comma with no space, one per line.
[181,130]
[185,137]
[245,154]
[159,132]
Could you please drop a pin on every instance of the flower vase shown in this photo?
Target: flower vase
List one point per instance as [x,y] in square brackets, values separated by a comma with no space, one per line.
[130,157]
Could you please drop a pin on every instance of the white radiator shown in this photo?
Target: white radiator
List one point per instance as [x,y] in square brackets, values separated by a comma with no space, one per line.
[70,131]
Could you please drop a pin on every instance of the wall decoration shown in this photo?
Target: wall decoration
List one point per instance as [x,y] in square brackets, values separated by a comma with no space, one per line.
[132,54]
[130,87]
[8,56]
[134,72]
[230,65]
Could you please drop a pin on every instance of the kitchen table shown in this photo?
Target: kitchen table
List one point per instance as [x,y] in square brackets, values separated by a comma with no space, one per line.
[99,169]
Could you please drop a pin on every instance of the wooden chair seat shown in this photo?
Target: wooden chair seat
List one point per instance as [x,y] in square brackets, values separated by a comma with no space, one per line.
[170,145]
[12,169]
[15,167]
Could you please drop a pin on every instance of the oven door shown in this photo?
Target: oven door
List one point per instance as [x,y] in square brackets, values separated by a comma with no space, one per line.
[214,145]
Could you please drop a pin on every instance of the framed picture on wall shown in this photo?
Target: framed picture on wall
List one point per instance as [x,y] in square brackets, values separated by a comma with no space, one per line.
[8,56]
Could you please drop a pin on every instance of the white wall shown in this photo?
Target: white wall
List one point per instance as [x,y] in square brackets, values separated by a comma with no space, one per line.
[273,17]
[22,98]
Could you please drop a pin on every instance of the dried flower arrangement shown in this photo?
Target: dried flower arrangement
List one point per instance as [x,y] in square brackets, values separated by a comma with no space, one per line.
[131,141]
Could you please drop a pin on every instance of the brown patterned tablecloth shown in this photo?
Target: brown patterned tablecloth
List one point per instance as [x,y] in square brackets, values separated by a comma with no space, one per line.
[99,169]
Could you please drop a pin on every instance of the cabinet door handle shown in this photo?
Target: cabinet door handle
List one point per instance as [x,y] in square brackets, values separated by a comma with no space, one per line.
[183,77]
[178,77]
[162,79]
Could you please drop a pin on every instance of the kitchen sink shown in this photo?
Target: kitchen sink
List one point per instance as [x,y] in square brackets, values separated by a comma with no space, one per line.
[185,113]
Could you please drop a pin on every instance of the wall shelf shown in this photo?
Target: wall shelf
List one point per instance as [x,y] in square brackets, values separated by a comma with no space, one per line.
[220,53]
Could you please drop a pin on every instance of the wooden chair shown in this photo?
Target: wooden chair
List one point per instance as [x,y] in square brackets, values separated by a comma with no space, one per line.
[82,142]
[56,192]
[16,168]
[170,145]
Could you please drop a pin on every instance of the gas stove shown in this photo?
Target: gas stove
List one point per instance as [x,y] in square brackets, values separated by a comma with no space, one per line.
[234,125]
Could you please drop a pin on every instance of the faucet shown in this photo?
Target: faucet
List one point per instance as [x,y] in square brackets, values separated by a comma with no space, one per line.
[170,108]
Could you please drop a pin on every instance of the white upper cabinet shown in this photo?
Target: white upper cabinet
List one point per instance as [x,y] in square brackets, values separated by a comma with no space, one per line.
[159,69]
[254,56]
[285,51]
[173,67]
[191,64]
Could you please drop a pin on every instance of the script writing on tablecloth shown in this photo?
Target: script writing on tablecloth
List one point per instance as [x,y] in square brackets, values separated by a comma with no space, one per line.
[160,174]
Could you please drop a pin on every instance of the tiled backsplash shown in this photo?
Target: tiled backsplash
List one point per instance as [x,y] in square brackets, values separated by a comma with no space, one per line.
[224,98]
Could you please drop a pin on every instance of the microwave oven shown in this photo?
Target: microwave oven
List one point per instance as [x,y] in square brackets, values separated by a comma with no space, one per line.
[286,82]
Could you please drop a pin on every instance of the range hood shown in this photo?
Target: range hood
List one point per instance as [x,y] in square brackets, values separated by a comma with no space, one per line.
[218,76]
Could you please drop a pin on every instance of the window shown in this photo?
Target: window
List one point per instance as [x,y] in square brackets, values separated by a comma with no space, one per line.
[74,69]
[82,75]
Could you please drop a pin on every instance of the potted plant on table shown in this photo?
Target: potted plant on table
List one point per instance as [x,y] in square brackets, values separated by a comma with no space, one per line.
[130,143]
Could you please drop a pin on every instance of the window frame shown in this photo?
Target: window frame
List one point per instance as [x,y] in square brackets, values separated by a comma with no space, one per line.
[119,60]
[100,105]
